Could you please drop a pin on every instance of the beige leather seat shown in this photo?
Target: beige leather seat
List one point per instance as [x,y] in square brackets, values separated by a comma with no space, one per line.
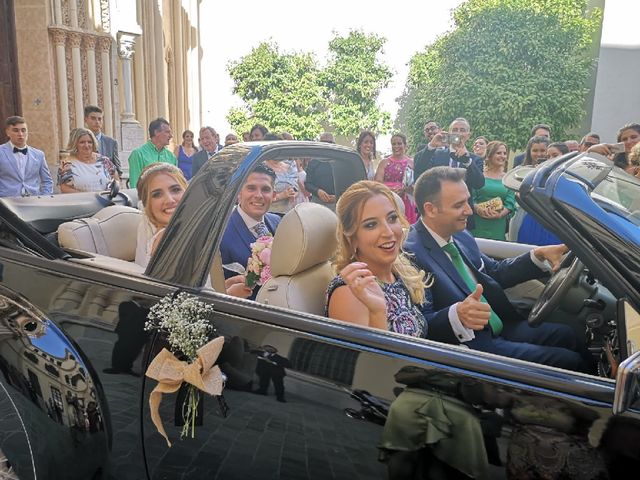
[304,243]
[111,232]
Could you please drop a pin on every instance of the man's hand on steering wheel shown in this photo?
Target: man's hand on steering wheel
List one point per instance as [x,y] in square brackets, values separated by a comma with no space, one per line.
[554,254]
[556,288]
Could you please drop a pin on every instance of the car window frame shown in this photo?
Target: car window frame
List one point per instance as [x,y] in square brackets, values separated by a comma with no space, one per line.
[199,221]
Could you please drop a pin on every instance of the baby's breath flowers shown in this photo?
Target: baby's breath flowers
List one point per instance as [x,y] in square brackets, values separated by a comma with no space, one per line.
[185,323]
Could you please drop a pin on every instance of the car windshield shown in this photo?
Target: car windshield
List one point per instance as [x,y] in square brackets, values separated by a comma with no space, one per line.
[623,191]
[613,189]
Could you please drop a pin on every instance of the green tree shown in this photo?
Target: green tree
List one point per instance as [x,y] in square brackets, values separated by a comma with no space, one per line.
[281,91]
[506,66]
[288,91]
[353,79]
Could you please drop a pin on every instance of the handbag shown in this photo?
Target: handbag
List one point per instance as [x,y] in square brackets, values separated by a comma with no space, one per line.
[494,204]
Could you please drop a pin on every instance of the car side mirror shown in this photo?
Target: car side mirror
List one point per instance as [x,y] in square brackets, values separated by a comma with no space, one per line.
[627,390]
[513,178]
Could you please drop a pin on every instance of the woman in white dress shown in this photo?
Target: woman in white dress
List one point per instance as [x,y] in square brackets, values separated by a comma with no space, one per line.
[160,188]
[84,170]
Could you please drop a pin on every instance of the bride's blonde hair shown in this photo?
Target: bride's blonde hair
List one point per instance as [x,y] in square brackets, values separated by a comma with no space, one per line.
[349,210]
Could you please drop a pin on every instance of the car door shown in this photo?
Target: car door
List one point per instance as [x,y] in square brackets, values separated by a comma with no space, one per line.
[343,382]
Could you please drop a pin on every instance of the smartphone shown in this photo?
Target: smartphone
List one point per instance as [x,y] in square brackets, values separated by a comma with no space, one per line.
[450,138]
[617,147]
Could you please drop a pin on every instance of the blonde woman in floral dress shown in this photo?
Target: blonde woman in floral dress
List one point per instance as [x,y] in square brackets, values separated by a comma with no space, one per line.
[85,170]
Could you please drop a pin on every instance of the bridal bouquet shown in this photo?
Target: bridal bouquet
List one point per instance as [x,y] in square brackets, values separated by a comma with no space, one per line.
[259,263]
[185,323]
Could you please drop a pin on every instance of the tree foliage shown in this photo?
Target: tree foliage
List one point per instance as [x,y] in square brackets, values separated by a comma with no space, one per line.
[290,92]
[281,91]
[507,65]
[353,78]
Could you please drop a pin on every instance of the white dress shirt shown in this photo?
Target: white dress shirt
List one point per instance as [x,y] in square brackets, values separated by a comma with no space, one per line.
[248,221]
[21,159]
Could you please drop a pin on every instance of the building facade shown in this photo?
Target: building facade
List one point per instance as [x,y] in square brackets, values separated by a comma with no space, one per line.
[136,59]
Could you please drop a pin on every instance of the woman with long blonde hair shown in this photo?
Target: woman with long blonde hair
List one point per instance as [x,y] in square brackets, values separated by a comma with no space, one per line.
[377,285]
[160,189]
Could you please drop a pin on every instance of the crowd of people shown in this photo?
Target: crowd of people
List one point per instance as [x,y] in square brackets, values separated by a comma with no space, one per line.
[407,259]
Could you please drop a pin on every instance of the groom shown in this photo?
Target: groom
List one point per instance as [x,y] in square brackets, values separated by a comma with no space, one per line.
[469,303]
[249,220]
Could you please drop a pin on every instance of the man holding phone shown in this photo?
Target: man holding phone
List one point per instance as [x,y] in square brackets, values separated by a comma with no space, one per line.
[448,149]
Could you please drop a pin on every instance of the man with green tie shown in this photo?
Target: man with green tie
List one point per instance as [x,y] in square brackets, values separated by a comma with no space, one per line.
[469,303]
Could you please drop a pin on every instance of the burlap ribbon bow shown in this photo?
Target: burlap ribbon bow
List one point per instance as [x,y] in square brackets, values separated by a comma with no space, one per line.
[171,372]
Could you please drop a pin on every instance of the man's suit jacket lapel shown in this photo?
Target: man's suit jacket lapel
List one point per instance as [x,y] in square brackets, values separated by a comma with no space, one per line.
[11,160]
[33,163]
[271,225]
[440,257]
[102,150]
[242,232]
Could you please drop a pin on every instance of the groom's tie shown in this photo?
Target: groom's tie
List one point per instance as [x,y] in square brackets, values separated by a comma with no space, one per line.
[261,230]
[494,320]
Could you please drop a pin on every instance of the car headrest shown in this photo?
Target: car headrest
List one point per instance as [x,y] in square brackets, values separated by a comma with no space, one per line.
[305,237]
[112,232]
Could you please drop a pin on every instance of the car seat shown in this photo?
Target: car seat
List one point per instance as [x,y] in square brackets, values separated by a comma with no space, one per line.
[111,232]
[303,245]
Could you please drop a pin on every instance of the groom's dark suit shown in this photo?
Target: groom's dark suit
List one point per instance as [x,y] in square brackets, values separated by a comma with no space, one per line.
[237,240]
[550,344]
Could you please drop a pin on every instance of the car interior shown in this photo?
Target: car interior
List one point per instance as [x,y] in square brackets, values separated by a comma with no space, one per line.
[100,230]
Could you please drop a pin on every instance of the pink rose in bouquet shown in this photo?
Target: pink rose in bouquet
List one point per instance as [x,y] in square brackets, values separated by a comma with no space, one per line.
[258,265]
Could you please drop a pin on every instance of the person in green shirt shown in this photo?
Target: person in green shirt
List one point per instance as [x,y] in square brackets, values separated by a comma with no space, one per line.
[155,150]
[494,203]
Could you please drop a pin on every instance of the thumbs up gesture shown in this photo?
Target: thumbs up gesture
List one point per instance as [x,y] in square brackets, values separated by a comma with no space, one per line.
[472,312]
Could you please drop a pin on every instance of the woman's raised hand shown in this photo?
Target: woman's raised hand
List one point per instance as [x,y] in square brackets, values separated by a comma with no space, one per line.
[365,287]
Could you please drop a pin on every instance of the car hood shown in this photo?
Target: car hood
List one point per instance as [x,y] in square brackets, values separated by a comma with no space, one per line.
[594,208]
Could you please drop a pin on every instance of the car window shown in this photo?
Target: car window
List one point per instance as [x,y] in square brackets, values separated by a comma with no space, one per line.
[622,191]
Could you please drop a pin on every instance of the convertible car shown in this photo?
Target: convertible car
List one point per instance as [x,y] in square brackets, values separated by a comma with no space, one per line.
[358,403]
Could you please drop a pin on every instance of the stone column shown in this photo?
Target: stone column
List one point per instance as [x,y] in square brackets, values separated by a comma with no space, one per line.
[73,13]
[90,42]
[159,62]
[131,132]
[104,44]
[126,44]
[59,40]
[149,59]
[57,12]
[75,39]
[177,80]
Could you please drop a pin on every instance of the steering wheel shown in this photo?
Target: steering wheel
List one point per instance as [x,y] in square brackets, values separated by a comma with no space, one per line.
[112,192]
[555,289]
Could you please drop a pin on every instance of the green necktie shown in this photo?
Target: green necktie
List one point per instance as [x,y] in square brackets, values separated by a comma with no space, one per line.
[494,320]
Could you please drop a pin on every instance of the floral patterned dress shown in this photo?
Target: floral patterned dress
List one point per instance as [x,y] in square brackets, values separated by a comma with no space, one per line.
[87,177]
[394,177]
[403,316]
